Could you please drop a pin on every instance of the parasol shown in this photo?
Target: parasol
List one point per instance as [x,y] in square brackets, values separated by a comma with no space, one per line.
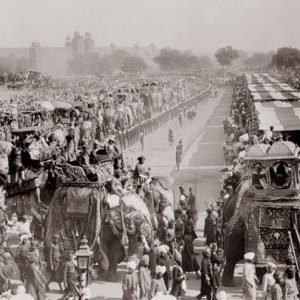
[46,105]
[62,105]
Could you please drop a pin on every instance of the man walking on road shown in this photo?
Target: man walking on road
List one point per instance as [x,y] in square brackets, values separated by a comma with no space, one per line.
[249,277]
[180,119]
[178,157]
[210,228]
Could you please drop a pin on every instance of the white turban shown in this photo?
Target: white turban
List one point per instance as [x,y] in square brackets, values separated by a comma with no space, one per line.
[249,256]
[160,269]
[271,265]
[131,265]
[163,249]
[23,237]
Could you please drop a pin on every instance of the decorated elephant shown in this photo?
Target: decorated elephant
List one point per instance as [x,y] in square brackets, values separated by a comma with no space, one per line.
[109,118]
[81,208]
[126,221]
[118,117]
[157,195]
[29,195]
[235,214]
[136,110]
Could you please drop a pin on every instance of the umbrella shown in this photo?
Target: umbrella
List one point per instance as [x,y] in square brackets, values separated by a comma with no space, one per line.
[164,297]
[62,105]
[46,105]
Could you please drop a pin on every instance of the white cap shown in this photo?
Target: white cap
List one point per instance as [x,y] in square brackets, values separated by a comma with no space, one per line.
[182,198]
[131,265]
[163,249]
[20,289]
[271,265]
[249,256]
[23,237]
[222,295]
[160,269]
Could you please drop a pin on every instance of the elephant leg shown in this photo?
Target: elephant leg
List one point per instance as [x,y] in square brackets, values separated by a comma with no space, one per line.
[115,255]
[132,245]
[102,258]
[228,274]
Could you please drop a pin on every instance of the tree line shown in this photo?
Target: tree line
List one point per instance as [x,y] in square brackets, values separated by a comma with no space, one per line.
[168,59]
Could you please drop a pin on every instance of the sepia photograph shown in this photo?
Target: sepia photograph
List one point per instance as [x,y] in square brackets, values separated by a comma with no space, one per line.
[149,149]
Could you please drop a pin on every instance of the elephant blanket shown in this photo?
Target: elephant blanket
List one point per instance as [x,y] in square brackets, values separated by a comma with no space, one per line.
[74,211]
[131,201]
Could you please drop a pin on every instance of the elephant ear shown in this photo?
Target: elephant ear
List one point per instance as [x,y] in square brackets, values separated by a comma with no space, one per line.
[163,181]
[139,219]
[164,190]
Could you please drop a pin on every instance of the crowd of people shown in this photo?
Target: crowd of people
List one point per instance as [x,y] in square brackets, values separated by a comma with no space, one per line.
[53,126]
[165,268]
[168,271]
[276,285]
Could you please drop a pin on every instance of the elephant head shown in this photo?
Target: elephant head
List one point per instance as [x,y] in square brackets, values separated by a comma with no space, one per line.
[159,198]
[109,117]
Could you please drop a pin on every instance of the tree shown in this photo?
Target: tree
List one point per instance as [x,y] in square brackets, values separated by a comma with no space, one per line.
[133,64]
[13,64]
[285,58]
[175,60]
[168,59]
[260,60]
[204,62]
[226,55]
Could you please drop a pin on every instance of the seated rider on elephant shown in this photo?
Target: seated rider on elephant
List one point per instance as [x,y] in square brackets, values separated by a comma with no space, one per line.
[141,173]
[83,161]
[35,144]
[115,154]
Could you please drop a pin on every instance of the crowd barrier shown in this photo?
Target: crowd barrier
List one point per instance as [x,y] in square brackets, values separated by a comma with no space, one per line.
[132,135]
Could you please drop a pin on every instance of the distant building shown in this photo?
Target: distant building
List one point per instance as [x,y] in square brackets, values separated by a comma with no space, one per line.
[54,60]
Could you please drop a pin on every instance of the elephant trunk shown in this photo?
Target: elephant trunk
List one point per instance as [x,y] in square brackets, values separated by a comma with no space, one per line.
[227,279]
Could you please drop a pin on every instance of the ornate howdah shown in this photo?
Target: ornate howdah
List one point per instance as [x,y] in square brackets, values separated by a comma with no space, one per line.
[69,175]
[267,233]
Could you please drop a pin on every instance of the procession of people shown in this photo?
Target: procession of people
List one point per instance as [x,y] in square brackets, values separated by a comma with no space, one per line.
[71,125]
[81,124]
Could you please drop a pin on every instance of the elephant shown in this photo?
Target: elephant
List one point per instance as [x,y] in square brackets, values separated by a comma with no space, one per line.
[133,217]
[158,197]
[81,208]
[24,200]
[109,118]
[30,196]
[234,226]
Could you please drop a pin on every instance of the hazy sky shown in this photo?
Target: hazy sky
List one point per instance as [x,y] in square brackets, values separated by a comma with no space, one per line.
[186,24]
